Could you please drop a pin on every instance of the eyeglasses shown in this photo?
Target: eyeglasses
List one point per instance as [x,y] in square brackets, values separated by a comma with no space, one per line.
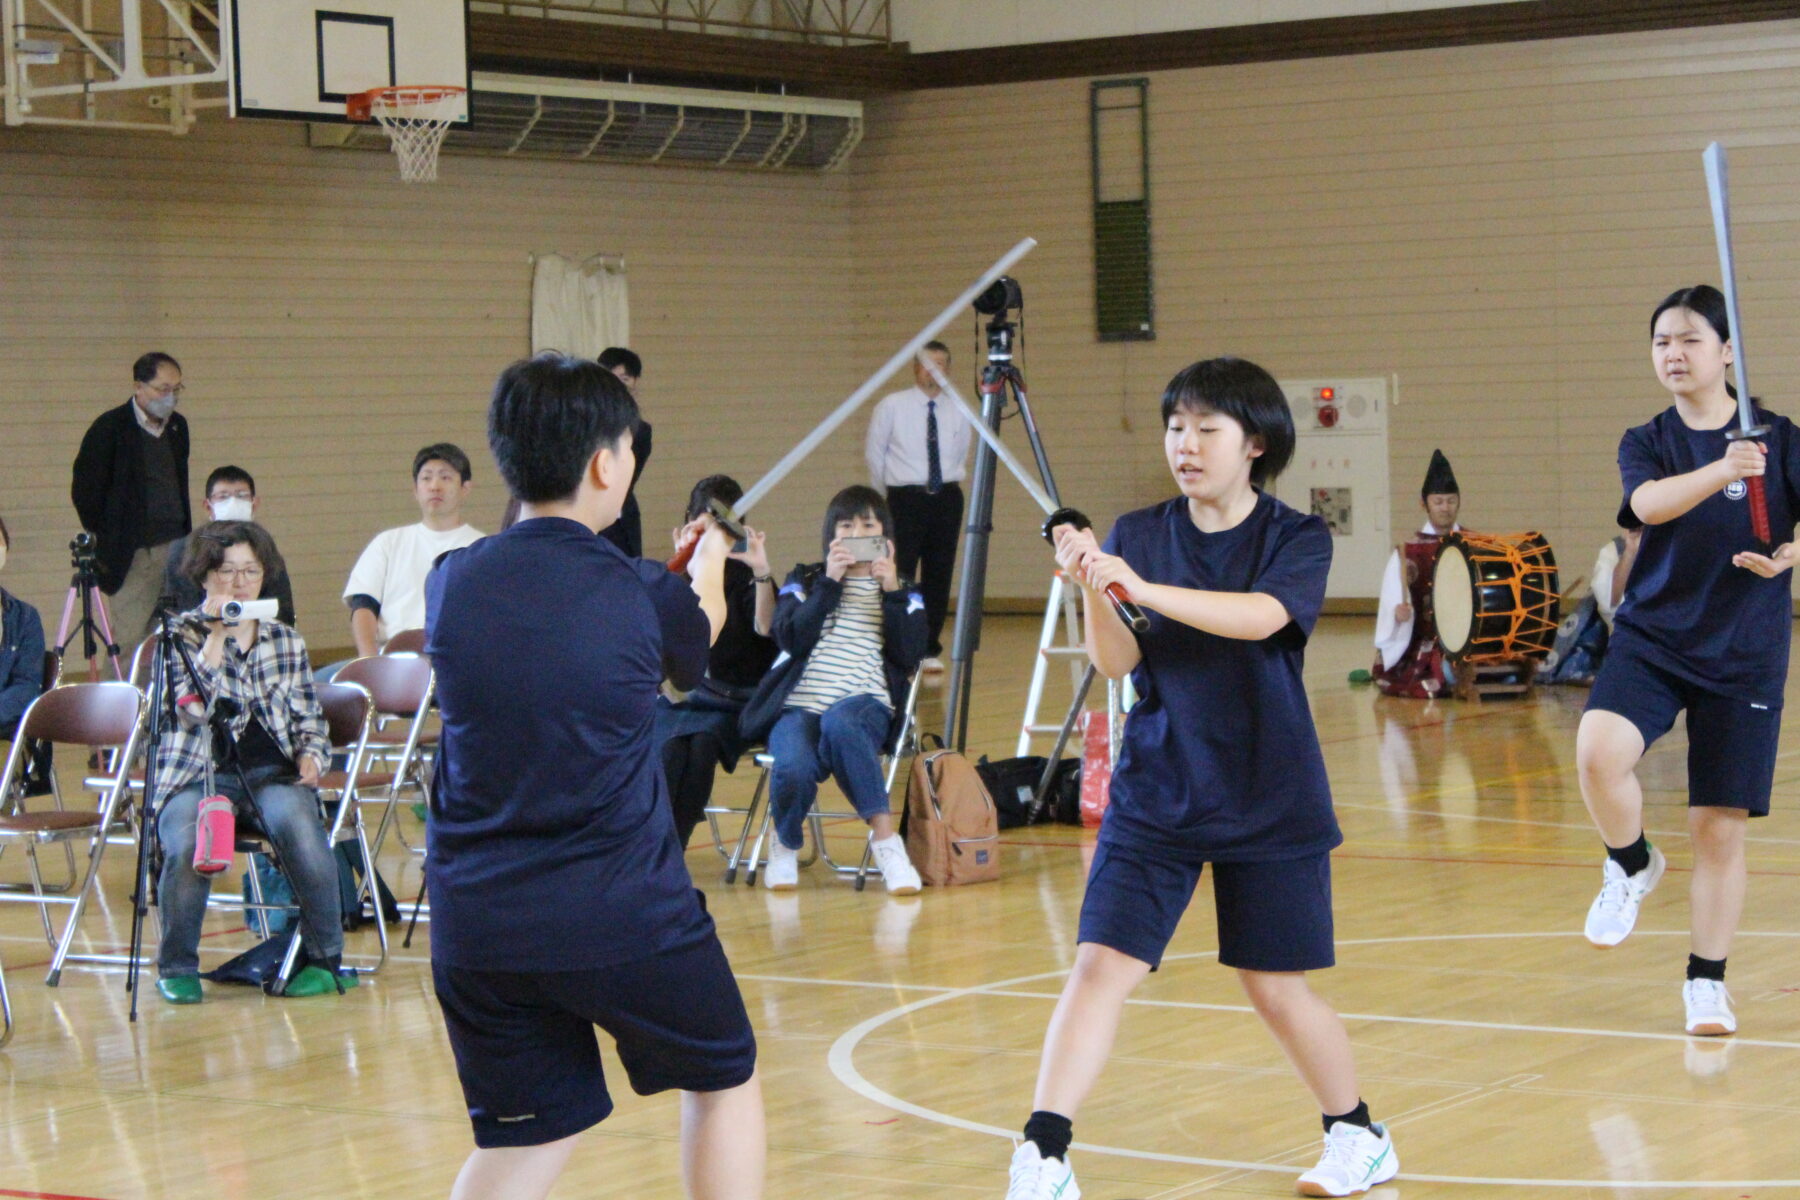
[218,497]
[246,574]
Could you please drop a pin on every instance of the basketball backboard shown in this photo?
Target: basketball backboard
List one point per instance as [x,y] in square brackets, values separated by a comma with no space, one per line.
[302,59]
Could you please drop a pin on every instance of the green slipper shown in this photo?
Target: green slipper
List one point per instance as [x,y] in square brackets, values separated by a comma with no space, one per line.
[421,812]
[317,981]
[179,989]
[1361,676]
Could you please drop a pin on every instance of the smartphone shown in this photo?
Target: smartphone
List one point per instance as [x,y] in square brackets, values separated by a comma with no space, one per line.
[865,549]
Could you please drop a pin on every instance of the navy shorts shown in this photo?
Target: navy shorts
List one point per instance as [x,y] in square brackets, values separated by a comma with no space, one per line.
[528,1059]
[1731,742]
[1273,916]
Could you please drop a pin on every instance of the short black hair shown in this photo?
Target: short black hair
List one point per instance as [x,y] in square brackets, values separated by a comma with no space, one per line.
[206,550]
[722,488]
[1239,389]
[5,536]
[229,474]
[619,356]
[448,453]
[937,346]
[147,365]
[857,500]
[549,416]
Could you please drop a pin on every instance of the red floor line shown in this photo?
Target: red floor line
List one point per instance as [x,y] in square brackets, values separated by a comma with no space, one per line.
[44,1195]
[149,961]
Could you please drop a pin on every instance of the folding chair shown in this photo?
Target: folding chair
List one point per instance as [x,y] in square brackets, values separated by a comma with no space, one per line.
[350,713]
[401,686]
[757,858]
[407,641]
[81,714]
[143,659]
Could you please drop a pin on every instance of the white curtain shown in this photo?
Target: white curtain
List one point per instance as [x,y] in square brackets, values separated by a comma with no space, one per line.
[579,308]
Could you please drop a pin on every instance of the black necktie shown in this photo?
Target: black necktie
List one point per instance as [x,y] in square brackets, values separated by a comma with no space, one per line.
[934,470]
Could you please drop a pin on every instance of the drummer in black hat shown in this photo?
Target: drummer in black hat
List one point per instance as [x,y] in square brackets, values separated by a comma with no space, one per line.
[1408,660]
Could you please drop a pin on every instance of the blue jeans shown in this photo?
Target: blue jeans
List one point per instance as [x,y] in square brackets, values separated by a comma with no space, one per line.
[843,742]
[290,814]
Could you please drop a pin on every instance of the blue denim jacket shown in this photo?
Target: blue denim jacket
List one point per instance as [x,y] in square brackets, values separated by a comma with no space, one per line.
[21,661]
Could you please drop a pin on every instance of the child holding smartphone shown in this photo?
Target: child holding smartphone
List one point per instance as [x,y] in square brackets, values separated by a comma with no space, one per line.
[851,634]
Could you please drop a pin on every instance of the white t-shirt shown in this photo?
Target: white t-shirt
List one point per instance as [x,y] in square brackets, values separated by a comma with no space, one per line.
[393,570]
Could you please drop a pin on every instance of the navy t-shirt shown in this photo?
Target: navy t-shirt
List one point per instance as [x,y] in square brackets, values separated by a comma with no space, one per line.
[1220,761]
[550,843]
[1686,607]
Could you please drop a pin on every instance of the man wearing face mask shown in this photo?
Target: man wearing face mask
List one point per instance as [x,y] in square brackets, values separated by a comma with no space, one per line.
[130,488]
[230,496]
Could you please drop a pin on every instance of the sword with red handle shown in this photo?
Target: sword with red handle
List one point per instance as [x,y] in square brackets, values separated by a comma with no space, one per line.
[1717,192]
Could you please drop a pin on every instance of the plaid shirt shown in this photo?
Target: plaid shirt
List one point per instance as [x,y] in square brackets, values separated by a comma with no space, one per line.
[273,680]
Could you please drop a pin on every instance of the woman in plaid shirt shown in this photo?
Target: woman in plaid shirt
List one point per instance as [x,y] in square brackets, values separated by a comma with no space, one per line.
[257,672]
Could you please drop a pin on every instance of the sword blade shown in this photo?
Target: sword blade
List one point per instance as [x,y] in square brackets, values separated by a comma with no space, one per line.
[855,400]
[987,435]
[1718,192]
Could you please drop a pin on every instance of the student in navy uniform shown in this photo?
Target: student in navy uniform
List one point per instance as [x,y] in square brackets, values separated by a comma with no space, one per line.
[559,897]
[1704,627]
[1220,765]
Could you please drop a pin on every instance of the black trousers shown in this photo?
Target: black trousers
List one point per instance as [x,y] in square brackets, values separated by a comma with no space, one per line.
[926,530]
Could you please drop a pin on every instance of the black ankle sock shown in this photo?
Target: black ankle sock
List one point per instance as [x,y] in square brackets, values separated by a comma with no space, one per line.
[1632,858]
[1051,1132]
[1706,968]
[1356,1116]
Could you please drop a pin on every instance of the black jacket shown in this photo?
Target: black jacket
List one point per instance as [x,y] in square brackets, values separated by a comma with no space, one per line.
[807,598]
[108,487]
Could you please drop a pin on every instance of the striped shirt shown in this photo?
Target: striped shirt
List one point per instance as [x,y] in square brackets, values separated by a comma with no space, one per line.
[848,659]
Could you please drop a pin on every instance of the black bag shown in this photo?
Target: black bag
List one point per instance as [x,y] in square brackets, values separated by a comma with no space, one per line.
[349,862]
[1013,782]
[259,965]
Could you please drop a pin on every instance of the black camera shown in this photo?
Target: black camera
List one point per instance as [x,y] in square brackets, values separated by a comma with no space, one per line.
[81,552]
[1000,298]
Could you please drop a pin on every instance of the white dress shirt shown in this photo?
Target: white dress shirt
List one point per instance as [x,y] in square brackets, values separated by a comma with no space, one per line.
[896,443]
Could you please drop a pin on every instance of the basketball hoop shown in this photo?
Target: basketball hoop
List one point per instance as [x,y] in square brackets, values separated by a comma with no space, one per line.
[415,117]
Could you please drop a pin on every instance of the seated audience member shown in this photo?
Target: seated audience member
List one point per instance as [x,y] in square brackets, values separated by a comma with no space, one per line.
[386,592]
[1612,567]
[21,652]
[852,633]
[230,496]
[1586,627]
[700,734]
[256,675]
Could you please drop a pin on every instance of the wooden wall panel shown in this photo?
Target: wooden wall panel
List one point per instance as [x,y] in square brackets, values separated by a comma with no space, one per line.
[332,321]
[1492,224]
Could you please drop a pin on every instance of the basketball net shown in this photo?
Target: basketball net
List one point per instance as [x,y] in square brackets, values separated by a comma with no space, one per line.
[415,118]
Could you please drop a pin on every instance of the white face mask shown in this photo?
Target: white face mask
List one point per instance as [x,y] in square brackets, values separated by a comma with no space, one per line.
[159,407]
[232,508]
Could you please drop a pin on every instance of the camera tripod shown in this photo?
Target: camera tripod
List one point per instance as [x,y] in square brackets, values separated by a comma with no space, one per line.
[1001,383]
[95,625]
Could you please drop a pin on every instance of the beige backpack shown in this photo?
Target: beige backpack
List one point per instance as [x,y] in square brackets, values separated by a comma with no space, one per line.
[952,827]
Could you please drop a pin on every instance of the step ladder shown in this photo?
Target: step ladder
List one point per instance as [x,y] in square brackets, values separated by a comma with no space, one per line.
[1064,605]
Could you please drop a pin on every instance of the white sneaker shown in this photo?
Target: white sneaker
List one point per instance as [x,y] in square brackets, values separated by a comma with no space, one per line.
[782,874]
[896,869]
[1355,1160]
[932,666]
[1035,1177]
[1708,1008]
[1615,909]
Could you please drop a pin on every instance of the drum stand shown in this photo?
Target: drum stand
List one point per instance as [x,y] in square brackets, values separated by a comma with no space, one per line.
[1495,679]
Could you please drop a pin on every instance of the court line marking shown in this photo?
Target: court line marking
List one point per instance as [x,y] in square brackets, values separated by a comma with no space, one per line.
[1587,826]
[841,1060]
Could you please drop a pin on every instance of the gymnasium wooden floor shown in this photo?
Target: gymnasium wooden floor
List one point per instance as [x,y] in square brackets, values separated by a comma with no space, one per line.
[900,1038]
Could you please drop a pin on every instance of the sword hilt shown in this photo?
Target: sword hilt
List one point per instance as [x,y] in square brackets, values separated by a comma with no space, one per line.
[1757,494]
[1131,614]
[728,520]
